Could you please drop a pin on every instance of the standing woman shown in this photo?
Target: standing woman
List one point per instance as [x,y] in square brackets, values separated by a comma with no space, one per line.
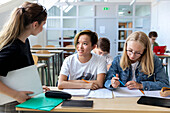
[83,65]
[137,67]
[15,49]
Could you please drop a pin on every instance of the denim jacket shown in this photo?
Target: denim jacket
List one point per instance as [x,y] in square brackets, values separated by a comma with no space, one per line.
[155,82]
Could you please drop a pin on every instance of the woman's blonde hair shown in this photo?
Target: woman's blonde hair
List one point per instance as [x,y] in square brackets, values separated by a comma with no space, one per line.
[19,20]
[147,63]
[93,37]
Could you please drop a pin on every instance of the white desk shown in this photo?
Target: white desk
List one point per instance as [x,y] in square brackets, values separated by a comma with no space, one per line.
[115,105]
[166,56]
[53,48]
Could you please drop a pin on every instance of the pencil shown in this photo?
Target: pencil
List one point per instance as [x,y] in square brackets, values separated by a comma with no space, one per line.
[85,81]
[142,91]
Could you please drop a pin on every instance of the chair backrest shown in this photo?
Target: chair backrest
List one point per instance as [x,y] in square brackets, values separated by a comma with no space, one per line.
[72,51]
[43,52]
[69,45]
[35,58]
[50,46]
[37,46]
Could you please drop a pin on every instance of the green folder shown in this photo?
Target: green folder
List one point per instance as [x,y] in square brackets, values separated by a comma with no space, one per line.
[40,102]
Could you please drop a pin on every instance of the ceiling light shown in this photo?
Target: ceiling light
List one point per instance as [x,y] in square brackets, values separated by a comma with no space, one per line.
[132,2]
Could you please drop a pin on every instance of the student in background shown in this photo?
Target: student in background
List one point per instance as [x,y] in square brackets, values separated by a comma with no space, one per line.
[15,49]
[137,67]
[152,36]
[83,65]
[103,49]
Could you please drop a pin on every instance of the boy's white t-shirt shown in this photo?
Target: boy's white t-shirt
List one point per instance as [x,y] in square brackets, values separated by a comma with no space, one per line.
[108,57]
[88,71]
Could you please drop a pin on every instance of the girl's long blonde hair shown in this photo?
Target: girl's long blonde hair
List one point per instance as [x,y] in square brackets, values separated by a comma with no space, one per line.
[19,20]
[147,63]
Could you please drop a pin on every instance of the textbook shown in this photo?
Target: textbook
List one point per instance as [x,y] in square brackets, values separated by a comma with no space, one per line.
[24,79]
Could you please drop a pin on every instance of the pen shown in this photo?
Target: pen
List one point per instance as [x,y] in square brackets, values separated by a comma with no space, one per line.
[120,81]
[85,81]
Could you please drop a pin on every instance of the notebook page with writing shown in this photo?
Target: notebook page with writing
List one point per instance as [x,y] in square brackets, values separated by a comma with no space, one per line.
[125,92]
[100,93]
[77,92]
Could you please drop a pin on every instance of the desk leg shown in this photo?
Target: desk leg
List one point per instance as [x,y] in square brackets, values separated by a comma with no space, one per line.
[53,84]
[42,72]
[58,68]
[167,66]
[61,59]
[49,75]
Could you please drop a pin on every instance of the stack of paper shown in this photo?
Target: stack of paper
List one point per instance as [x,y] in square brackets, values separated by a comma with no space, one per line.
[125,92]
[100,93]
[77,92]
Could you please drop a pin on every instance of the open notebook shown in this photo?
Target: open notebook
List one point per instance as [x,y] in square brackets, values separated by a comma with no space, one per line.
[125,92]
[24,79]
[77,92]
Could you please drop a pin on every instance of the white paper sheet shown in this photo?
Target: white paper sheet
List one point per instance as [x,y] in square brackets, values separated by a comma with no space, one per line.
[100,93]
[125,92]
[154,94]
[77,92]
[24,79]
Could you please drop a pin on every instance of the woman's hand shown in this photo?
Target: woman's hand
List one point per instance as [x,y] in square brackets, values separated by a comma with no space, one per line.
[115,81]
[22,96]
[133,84]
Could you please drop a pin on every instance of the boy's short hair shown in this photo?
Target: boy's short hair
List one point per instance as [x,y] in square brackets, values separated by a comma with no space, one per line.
[104,44]
[153,34]
[93,37]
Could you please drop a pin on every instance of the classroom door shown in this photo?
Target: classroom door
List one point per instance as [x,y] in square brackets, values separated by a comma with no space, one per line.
[107,27]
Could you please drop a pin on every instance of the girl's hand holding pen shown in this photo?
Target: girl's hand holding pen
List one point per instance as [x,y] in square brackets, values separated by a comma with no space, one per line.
[115,81]
[133,84]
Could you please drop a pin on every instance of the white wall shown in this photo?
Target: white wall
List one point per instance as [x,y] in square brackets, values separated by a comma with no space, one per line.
[5,11]
[160,22]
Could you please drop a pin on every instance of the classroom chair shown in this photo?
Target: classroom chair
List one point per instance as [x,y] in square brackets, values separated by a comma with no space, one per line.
[69,52]
[50,46]
[37,46]
[35,58]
